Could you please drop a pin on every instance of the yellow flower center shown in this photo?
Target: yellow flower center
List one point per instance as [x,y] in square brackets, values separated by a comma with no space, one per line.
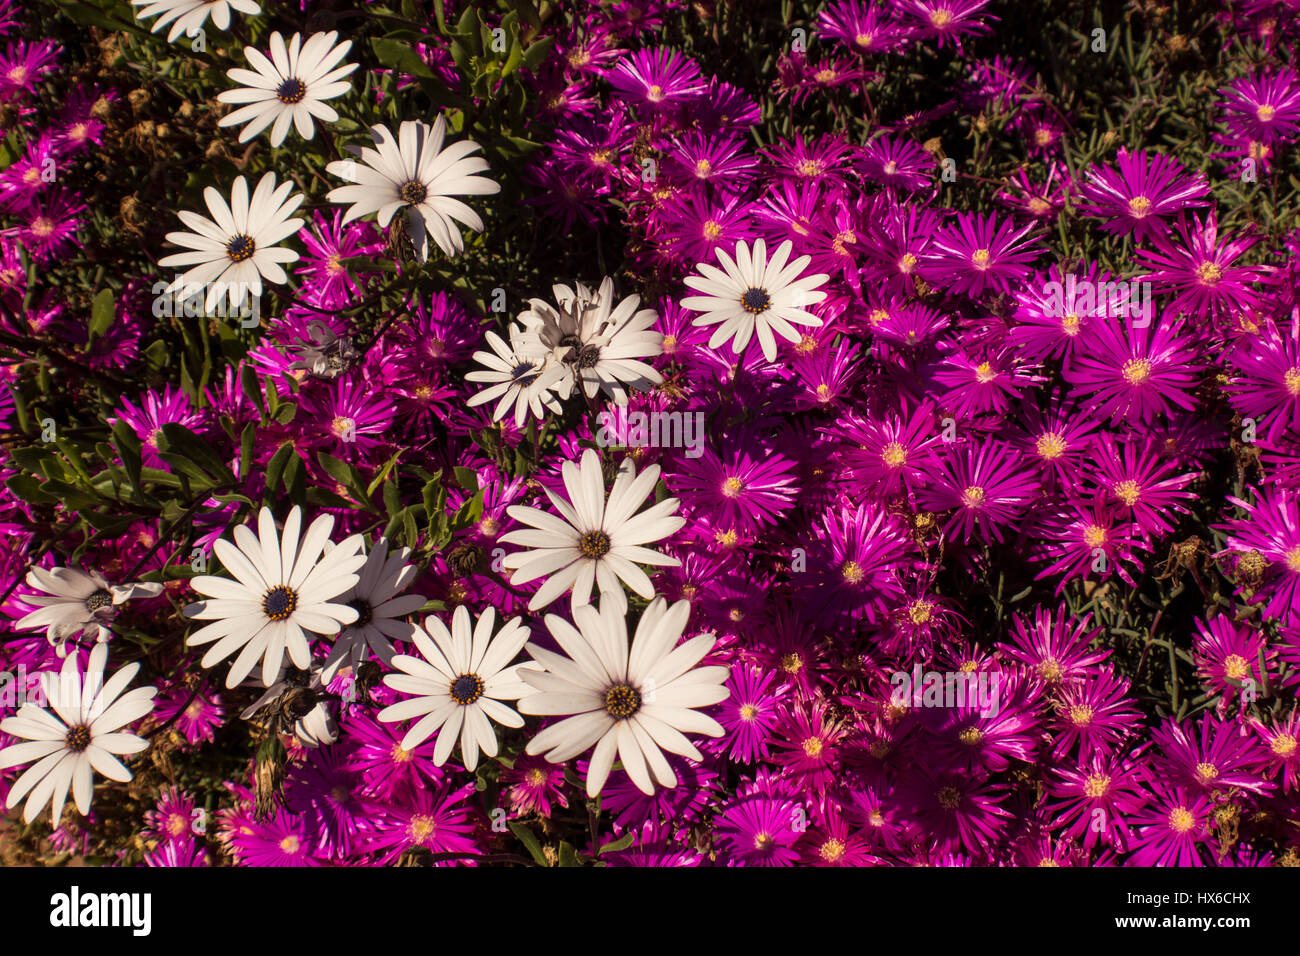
[1050,445]
[1235,666]
[1081,715]
[1096,786]
[1284,745]
[893,454]
[973,496]
[1094,536]
[852,572]
[980,259]
[1127,491]
[1139,206]
[813,746]
[1265,112]
[732,486]
[1209,273]
[985,373]
[1136,371]
[1181,819]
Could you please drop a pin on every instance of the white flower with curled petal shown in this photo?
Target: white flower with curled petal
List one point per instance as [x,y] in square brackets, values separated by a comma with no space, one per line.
[289,87]
[460,682]
[753,295]
[415,173]
[282,589]
[634,704]
[79,734]
[592,542]
[77,602]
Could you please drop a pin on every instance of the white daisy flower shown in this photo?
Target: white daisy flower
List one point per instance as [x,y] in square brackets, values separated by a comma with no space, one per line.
[82,735]
[459,683]
[236,248]
[520,374]
[289,87]
[415,173]
[634,704]
[381,607]
[592,542]
[755,295]
[190,15]
[596,341]
[78,602]
[283,588]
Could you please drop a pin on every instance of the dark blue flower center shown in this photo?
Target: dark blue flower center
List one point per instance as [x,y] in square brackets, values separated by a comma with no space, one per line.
[98,599]
[755,300]
[241,248]
[279,602]
[466,689]
[291,90]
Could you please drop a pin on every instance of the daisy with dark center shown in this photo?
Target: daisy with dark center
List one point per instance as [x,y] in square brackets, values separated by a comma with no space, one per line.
[519,373]
[1125,372]
[754,296]
[459,683]
[237,248]
[283,589]
[979,253]
[1140,196]
[381,609]
[189,16]
[289,87]
[79,734]
[415,174]
[78,602]
[1201,271]
[592,543]
[630,702]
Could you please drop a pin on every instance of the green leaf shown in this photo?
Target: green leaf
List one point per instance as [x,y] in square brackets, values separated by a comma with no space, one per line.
[467,478]
[622,843]
[538,51]
[275,467]
[526,837]
[179,440]
[400,57]
[568,855]
[102,312]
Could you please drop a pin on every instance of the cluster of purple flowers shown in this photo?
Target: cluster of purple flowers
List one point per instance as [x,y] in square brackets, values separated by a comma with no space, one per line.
[923,534]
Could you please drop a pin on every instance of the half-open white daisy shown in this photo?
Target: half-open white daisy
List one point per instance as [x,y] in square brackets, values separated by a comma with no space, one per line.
[190,15]
[521,374]
[290,87]
[281,591]
[78,602]
[416,174]
[593,542]
[634,703]
[235,249]
[381,610]
[460,683]
[752,295]
[82,734]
